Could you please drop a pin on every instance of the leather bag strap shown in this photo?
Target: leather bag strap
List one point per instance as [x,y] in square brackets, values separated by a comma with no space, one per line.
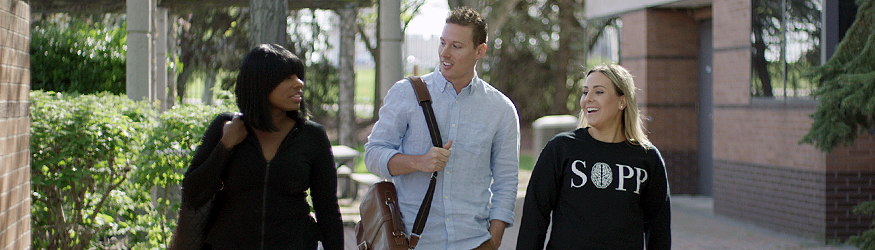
[424,99]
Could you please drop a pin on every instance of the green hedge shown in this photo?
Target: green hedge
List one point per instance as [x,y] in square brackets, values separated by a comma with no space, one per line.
[75,54]
[103,165]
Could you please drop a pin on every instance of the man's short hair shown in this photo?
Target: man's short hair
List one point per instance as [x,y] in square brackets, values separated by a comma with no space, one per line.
[466,16]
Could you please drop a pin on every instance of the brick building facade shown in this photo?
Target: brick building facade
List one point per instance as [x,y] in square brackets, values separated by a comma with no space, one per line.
[757,171]
[14,125]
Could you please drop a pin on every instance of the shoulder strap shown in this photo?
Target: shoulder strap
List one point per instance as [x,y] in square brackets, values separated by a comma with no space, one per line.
[424,98]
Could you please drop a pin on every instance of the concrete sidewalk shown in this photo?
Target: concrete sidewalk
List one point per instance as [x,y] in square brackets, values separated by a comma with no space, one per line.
[694,227]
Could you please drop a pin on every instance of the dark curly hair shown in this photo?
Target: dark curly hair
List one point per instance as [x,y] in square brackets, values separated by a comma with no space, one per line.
[466,16]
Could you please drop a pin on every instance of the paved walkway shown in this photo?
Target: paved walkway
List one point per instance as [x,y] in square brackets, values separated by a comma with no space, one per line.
[694,227]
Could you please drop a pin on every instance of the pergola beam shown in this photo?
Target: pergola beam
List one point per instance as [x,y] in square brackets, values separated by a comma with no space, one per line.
[118,6]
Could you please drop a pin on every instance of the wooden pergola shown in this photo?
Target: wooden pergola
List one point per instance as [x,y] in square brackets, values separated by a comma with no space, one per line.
[117,6]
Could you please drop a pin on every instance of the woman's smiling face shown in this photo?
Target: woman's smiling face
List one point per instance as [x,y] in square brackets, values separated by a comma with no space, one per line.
[601,102]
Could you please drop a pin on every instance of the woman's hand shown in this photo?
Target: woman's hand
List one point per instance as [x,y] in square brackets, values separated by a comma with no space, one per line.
[233,132]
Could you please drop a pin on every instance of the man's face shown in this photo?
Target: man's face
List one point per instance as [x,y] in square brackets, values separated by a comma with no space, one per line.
[458,53]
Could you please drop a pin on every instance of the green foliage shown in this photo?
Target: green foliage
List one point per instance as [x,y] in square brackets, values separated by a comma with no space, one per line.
[167,151]
[323,86]
[78,54]
[105,169]
[210,40]
[84,147]
[846,88]
[535,58]
[866,241]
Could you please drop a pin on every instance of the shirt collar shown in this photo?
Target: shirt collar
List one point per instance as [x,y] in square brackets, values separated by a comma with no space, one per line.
[448,86]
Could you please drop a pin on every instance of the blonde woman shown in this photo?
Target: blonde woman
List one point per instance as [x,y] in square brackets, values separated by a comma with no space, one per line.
[604,183]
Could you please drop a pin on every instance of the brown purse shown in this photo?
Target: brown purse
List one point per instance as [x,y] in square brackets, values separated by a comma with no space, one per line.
[381,226]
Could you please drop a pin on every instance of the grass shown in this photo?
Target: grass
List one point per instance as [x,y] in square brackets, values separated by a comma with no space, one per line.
[364,85]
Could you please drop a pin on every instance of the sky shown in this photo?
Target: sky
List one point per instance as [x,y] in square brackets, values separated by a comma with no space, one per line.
[429,20]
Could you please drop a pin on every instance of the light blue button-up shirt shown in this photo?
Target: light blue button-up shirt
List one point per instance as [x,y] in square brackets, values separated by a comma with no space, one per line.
[479,183]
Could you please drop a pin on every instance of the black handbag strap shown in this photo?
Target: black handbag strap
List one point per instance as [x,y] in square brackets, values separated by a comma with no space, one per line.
[424,99]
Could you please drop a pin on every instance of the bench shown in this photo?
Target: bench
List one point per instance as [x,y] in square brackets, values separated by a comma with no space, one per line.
[349,184]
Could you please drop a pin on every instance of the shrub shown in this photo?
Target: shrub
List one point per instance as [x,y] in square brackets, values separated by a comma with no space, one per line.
[77,54]
[83,148]
[865,241]
[104,169]
[167,152]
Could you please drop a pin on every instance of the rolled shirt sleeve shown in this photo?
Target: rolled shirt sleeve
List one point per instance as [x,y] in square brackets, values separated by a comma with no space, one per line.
[386,135]
[505,167]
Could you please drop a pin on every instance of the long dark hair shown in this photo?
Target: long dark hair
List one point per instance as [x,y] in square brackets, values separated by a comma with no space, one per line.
[262,70]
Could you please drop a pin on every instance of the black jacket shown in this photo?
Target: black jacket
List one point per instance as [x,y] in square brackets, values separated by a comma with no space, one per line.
[601,195]
[261,204]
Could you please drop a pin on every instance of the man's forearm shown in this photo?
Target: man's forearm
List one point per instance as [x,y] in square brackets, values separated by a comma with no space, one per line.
[496,228]
[401,164]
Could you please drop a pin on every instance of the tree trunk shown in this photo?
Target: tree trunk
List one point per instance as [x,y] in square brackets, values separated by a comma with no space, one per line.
[209,82]
[173,49]
[346,100]
[761,66]
[268,22]
[378,101]
[374,49]
[563,57]
[498,15]
[182,82]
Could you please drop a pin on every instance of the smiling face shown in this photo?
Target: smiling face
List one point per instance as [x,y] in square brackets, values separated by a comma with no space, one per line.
[288,95]
[458,53]
[601,103]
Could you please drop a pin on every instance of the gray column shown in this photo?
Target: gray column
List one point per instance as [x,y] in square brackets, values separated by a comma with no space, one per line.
[346,101]
[161,39]
[391,66]
[139,55]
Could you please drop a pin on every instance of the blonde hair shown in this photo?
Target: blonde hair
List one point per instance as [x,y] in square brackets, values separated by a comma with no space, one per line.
[633,126]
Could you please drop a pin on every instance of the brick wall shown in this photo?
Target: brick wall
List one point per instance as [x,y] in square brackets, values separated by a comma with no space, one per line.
[786,200]
[767,135]
[731,52]
[850,180]
[761,173]
[14,125]
[660,49]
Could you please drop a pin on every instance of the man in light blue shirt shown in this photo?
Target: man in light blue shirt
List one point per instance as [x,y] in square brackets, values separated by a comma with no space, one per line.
[478,167]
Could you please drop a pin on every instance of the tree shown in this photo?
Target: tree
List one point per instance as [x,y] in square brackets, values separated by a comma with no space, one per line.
[536,56]
[846,86]
[346,110]
[771,21]
[210,40]
[268,21]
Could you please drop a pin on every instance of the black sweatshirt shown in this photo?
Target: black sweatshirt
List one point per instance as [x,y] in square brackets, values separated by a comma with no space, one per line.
[261,204]
[601,195]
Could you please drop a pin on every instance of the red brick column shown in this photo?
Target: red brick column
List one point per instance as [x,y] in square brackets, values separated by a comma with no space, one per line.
[14,125]
[660,49]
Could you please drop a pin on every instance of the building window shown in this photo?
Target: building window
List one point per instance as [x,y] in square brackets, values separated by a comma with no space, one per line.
[785,37]
[606,47]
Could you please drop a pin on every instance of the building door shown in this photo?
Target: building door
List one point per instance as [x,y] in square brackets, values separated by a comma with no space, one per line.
[706,109]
